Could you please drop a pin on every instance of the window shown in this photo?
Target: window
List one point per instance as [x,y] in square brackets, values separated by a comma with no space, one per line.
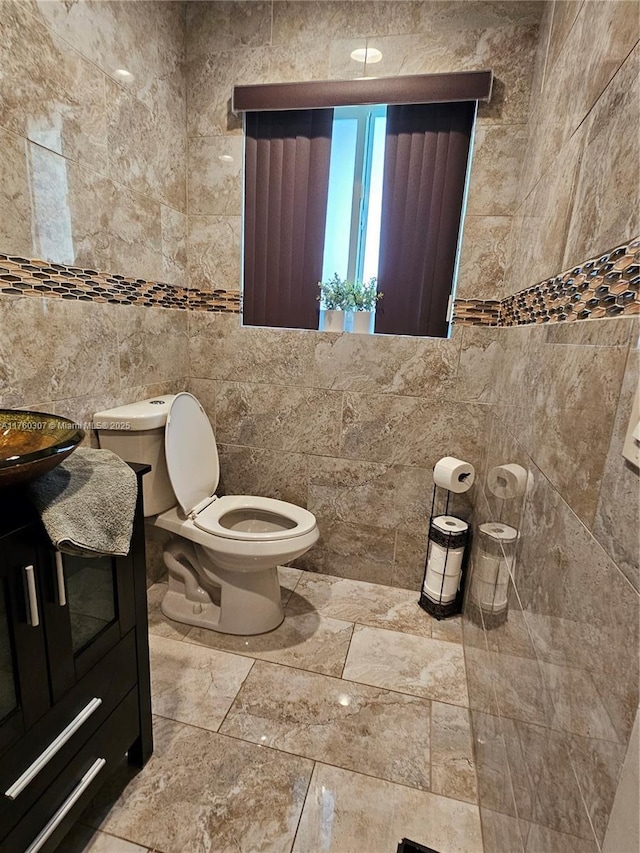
[354,205]
[362,191]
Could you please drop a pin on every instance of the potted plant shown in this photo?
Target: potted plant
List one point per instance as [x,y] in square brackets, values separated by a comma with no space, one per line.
[334,299]
[363,300]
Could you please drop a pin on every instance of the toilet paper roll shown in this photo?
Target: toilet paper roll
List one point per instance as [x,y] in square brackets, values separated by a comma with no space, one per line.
[454,474]
[443,573]
[507,481]
[450,524]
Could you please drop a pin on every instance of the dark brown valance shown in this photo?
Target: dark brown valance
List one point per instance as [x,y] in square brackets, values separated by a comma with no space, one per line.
[413,89]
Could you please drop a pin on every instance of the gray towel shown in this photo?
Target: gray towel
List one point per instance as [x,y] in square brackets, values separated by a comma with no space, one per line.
[87,503]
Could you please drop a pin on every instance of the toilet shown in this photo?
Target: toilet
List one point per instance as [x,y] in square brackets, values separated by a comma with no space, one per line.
[223,557]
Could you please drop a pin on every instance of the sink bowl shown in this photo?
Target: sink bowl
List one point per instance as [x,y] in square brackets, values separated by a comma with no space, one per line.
[32,443]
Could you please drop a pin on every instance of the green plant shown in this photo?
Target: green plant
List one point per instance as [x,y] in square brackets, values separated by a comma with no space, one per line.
[334,294]
[364,296]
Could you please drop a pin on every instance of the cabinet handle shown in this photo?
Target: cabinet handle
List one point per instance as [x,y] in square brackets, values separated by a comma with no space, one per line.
[55,746]
[62,595]
[66,807]
[32,597]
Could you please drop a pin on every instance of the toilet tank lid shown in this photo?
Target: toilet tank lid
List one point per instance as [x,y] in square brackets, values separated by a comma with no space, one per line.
[145,414]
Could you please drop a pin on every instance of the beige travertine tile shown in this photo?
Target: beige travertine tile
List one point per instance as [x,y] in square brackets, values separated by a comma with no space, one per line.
[345,813]
[146,153]
[31,372]
[579,391]
[493,187]
[542,839]
[409,430]
[618,509]
[134,231]
[59,104]
[578,707]
[507,50]
[357,492]
[231,795]
[606,332]
[377,732]
[214,27]
[453,772]
[387,364]
[278,417]
[564,15]
[424,667]
[605,209]
[220,348]
[357,551]
[213,180]
[268,473]
[478,362]
[590,620]
[210,83]
[356,601]
[174,246]
[152,344]
[15,223]
[294,63]
[308,641]
[69,220]
[409,559]
[449,630]
[191,684]
[113,36]
[289,578]
[500,832]
[214,252]
[483,257]
[537,245]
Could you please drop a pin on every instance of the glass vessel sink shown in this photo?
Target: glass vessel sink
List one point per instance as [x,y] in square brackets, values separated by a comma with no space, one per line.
[32,443]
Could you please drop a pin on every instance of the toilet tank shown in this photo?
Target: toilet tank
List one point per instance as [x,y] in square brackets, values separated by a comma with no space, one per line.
[135,432]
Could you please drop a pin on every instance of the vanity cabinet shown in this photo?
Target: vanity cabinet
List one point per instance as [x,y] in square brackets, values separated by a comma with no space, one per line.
[74,675]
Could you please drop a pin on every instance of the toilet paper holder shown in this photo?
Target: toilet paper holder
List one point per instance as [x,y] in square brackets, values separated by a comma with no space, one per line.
[445,566]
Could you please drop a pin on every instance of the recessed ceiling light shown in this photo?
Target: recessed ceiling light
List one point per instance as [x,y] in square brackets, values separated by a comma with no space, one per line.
[369,55]
[123,74]
[226,158]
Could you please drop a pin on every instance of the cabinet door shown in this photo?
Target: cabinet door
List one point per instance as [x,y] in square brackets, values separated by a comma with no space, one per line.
[24,679]
[88,609]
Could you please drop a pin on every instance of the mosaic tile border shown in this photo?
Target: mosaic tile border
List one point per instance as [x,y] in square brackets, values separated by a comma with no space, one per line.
[607,285]
[604,286]
[476,312]
[23,277]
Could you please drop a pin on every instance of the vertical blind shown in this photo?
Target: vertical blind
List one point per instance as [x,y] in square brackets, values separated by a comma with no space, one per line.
[425,168]
[287,157]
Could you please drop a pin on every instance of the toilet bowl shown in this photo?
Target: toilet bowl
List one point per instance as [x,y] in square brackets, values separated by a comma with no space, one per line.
[223,562]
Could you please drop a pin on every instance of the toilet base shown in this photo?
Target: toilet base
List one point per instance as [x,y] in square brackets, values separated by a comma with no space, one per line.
[253,608]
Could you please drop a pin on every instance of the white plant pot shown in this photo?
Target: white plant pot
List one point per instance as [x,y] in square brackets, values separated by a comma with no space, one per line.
[362,322]
[333,321]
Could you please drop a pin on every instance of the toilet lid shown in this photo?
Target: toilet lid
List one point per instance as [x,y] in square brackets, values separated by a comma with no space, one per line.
[191,452]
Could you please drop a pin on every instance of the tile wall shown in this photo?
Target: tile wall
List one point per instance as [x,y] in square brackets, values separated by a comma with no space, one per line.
[554,690]
[92,175]
[346,425]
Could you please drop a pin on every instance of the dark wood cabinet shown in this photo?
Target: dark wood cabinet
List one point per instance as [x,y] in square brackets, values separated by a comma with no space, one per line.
[74,675]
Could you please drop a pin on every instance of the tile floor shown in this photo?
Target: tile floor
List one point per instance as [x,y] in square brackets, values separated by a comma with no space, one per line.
[342,731]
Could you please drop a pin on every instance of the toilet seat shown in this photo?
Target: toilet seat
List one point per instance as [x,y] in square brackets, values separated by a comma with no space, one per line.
[194,472]
[211,518]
